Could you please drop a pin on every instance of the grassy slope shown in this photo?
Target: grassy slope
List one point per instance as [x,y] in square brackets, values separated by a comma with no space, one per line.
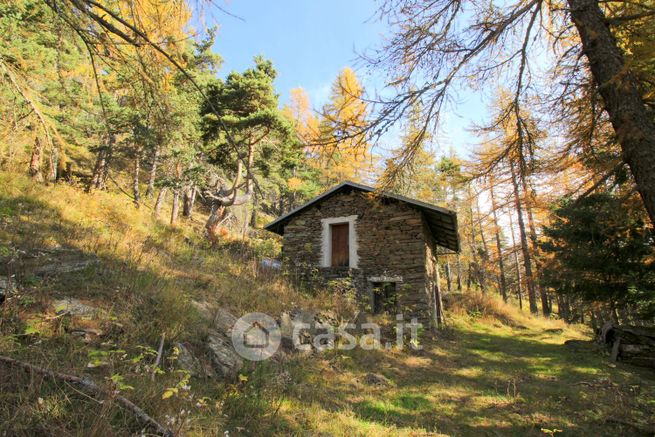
[494,371]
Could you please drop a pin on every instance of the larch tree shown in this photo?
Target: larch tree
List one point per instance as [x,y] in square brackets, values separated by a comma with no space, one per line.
[450,183]
[412,175]
[523,237]
[513,153]
[303,165]
[304,120]
[437,46]
[43,84]
[502,278]
[342,151]
[517,265]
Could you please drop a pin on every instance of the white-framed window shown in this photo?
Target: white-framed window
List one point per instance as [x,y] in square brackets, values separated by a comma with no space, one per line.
[339,242]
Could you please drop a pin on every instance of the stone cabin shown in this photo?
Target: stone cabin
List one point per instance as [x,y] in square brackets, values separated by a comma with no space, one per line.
[384,243]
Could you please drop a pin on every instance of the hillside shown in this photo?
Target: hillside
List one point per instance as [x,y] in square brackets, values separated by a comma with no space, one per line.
[492,371]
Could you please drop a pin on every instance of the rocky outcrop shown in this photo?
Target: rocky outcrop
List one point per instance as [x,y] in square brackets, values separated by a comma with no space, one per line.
[5,285]
[376,379]
[226,362]
[630,344]
[289,321]
[87,335]
[187,360]
[310,321]
[224,321]
[74,307]
[49,262]
[216,349]
[5,288]
[204,310]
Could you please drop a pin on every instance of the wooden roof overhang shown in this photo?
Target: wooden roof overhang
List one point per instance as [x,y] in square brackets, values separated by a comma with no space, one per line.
[441,221]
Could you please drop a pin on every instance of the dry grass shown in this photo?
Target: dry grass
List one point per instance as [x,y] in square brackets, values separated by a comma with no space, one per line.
[145,284]
[491,307]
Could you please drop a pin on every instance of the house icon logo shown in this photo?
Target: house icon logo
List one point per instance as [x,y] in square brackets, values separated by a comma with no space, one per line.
[256,336]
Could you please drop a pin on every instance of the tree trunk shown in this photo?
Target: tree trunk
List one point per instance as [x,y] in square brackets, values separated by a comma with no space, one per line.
[175,210]
[469,278]
[135,180]
[528,202]
[216,215]
[439,318]
[35,160]
[527,263]
[567,308]
[253,214]
[624,316]
[97,171]
[501,265]
[475,267]
[519,280]
[160,201]
[150,190]
[69,172]
[53,161]
[543,294]
[105,168]
[484,240]
[449,279]
[230,197]
[101,168]
[614,313]
[634,128]
[189,200]
[459,273]
[484,258]
[561,308]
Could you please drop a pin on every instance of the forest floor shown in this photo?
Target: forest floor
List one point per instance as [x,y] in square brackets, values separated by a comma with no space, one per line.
[493,371]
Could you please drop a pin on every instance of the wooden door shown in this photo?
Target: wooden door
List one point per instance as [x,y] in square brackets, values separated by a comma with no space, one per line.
[340,249]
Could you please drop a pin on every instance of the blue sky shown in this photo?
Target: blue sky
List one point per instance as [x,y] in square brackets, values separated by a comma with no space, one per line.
[310,41]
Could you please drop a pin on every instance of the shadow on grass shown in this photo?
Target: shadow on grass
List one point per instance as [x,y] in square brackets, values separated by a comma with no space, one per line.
[484,383]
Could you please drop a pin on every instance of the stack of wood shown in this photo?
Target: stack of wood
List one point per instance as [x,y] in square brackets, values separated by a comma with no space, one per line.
[630,344]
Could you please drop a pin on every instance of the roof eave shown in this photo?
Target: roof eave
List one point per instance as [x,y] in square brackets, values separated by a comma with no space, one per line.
[277,226]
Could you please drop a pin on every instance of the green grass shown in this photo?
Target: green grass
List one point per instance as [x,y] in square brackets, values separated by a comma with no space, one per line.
[478,379]
[493,371]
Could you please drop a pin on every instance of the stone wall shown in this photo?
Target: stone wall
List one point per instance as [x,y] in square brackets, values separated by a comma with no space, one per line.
[393,243]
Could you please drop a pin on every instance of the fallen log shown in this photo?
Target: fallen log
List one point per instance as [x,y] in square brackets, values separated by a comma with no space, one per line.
[91,388]
[630,344]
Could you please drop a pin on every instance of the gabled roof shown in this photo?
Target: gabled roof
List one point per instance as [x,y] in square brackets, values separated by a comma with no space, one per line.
[442,221]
